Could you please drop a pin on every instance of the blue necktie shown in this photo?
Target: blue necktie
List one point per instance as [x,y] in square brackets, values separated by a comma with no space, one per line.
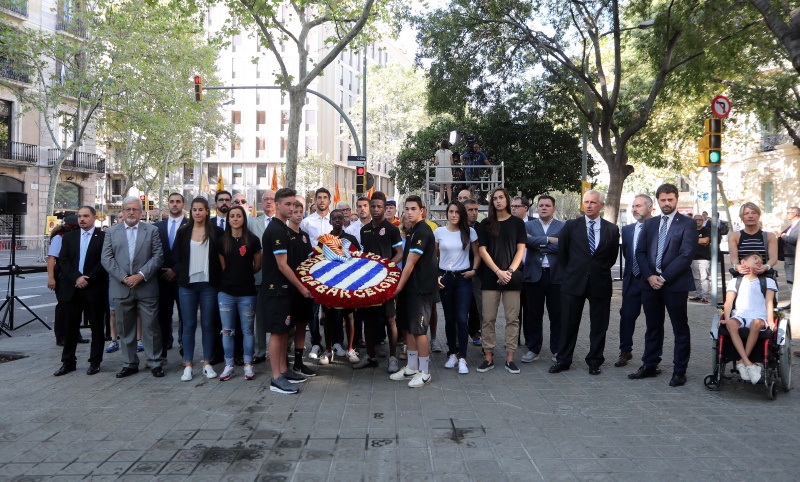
[635,264]
[591,237]
[84,247]
[662,238]
[172,232]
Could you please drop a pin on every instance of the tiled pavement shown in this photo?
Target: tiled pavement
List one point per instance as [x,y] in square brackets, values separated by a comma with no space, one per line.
[358,425]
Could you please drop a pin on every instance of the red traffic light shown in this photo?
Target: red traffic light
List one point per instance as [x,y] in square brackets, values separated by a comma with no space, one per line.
[360,171]
[198,88]
[142,198]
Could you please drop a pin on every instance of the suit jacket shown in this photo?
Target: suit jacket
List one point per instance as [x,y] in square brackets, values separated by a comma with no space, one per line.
[147,259]
[69,260]
[628,253]
[790,241]
[680,247]
[539,247]
[214,220]
[183,244]
[579,266]
[257,226]
[163,234]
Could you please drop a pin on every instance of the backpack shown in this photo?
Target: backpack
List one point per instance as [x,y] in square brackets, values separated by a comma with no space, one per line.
[762,281]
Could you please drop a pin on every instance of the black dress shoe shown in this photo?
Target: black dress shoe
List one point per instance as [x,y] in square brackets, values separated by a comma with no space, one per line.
[127,371]
[558,367]
[64,369]
[259,359]
[643,372]
[60,342]
[84,340]
[157,372]
[94,369]
[623,359]
[594,369]
[238,361]
[678,380]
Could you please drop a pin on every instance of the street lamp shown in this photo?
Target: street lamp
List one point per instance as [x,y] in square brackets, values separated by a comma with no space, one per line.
[202,130]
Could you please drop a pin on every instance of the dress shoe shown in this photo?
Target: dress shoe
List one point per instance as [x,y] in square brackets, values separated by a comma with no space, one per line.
[127,371]
[658,369]
[678,380]
[238,361]
[60,342]
[259,359]
[643,372]
[94,369]
[157,372]
[558,367]
[64,370]
[594,369]
[623,358]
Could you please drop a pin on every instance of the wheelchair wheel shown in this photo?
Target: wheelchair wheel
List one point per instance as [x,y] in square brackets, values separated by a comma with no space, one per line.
[711,382]
[772,390]
[785,361]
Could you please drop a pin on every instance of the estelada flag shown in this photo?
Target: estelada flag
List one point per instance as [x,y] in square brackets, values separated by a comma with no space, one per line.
[220,182]
[336,196]
[283,176]
[371,192]
[274,177]
[254,211]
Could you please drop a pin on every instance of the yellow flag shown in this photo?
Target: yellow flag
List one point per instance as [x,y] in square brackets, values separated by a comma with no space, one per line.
[220,183]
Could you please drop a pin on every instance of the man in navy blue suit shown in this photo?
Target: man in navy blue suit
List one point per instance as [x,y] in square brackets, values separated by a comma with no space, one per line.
[642,210]
[664,253]
[168,280]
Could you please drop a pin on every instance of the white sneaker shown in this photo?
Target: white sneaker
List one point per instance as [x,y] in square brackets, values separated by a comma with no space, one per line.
[249,374]
[339,351]
[529,357]
[325,359]
[187,374]
[462,366]
[209,372]
[419,380]
[404,374]
[394,367]
[451,361]
[743,371]
[755,373]
[352,356]
[314,353]
[227,373]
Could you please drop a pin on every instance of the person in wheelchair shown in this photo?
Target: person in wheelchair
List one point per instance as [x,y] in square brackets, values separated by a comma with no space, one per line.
[749,303]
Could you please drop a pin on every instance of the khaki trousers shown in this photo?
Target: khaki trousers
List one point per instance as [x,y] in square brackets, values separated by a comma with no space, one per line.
[491,304]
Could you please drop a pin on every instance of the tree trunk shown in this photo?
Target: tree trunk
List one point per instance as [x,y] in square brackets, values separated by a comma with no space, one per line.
[618,171]
[725,202]
[297,97]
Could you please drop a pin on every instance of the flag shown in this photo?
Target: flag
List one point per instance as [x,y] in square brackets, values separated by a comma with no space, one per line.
[254,211]
[283,176]
[274,177]
[220,183]
[336,196]
[204,187]
[371,192]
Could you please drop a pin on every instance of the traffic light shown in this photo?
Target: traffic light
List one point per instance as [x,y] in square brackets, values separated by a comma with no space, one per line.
[361,180]
[709,147]
[143,199]
[198,88]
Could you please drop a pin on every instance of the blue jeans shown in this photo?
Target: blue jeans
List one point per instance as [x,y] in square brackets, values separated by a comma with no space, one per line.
[246,307]
[205,296]
[456,297]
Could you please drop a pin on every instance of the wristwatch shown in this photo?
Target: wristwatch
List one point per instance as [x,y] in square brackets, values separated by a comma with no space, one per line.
[510,270]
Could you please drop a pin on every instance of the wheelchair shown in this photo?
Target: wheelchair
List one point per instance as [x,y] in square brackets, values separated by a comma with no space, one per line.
[773,350]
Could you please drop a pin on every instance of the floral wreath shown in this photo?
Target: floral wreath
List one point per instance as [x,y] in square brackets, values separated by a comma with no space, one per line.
[342,277]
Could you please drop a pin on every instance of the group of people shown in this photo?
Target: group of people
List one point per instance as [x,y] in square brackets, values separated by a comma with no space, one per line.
[234,275]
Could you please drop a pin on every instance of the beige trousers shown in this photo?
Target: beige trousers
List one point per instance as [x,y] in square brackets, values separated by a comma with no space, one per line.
[491,304]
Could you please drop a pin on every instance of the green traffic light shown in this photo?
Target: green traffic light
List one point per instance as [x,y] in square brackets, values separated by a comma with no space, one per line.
[714,157]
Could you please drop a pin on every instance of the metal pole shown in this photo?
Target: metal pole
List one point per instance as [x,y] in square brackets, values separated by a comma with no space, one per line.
[584,154]
[714,237]
[364,108]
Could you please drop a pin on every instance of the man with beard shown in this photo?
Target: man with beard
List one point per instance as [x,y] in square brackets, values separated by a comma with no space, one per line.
[168,280]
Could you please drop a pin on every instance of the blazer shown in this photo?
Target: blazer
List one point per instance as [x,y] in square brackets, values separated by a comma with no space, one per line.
[680,247]
[147,259]
[579,266]
[214,220]
[257,226]
[182,252]
[628,254]
[163,234]
[790,241]
[539,247]
[69,260]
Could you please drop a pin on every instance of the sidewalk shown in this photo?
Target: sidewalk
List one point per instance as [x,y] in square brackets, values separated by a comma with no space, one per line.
[358,425]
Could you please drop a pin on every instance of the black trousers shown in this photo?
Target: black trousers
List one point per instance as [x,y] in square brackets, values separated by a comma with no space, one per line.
[168,295]
[84,301]
[571,312]
[628,313]
[537,296]
[656,302]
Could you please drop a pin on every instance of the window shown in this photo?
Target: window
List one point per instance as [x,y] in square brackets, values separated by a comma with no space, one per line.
[311,120]
[237,174]
[261,172]
[236,41]
[284,146]
[768,196]
[213,173]
[258,69]
[261,120]
[236,149]
[188,174]
[311,145]
[236,117]
[116,187]
[261,147]
[258,98]
[284,119]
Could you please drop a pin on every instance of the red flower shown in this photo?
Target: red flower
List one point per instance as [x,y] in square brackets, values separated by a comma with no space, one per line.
[242,250]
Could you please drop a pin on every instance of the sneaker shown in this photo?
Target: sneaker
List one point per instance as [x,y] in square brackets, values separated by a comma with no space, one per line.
[419,380]
[187,374]
[339,351]
[326,358]
[139,345]
[227,373]
[365,362]
[512,367]
[530,357]
[112,346]
[477,341]
[249,374]
[394,367]
[462,366]
[435,346]
[282,385]
[404,374]
[754,371]
[314,353]
[209,372]
[352,356]
[486,366]
[294,377]
[451,361]
[743,371]
[304,370]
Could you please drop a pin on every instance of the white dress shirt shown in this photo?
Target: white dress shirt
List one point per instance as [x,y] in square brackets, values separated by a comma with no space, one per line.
[316,225]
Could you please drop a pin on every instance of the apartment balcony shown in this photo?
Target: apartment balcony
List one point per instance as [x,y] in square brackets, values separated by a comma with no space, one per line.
[79,162]
[70,25]
[18,154]
[19,7]
[10,70]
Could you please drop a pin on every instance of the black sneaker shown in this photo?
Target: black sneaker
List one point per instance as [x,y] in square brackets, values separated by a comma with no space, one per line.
[512,367]
[282,385]
[294,377]
[303,369]
[486,366]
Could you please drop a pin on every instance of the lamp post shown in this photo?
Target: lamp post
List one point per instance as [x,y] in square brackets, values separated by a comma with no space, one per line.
[201,155]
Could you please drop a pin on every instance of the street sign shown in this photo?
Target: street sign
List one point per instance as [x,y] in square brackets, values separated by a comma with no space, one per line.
[721,106]
[357,161]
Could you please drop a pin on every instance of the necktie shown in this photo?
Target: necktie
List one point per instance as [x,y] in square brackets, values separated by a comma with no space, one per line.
[662,237]
[591,237]
[634,263]
[84,246]
[222,223]
[131,244]
[172,225]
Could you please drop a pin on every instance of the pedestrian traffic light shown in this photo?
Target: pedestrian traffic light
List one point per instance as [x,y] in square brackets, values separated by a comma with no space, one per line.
[361,180]
[198,88]
[709,147]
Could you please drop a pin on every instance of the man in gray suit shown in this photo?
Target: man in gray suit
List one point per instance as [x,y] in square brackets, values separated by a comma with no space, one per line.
[542,279]
[257,226]
[133,256]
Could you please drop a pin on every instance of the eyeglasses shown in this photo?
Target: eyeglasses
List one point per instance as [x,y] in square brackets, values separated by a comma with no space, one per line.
[131,210]
[265,199]
[238,202]
[223,200]
[516,206]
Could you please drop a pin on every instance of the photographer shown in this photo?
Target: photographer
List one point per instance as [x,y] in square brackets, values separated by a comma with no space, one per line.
[473,157]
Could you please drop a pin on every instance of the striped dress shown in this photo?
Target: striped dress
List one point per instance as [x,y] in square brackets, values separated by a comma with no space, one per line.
[752,243]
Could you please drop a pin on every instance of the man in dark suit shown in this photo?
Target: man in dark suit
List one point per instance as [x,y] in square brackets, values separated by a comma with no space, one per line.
[223,202]
[664,253]
[642,210]
[168,280]
[542,280]
[83,286]
[132,256]
[587,249]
